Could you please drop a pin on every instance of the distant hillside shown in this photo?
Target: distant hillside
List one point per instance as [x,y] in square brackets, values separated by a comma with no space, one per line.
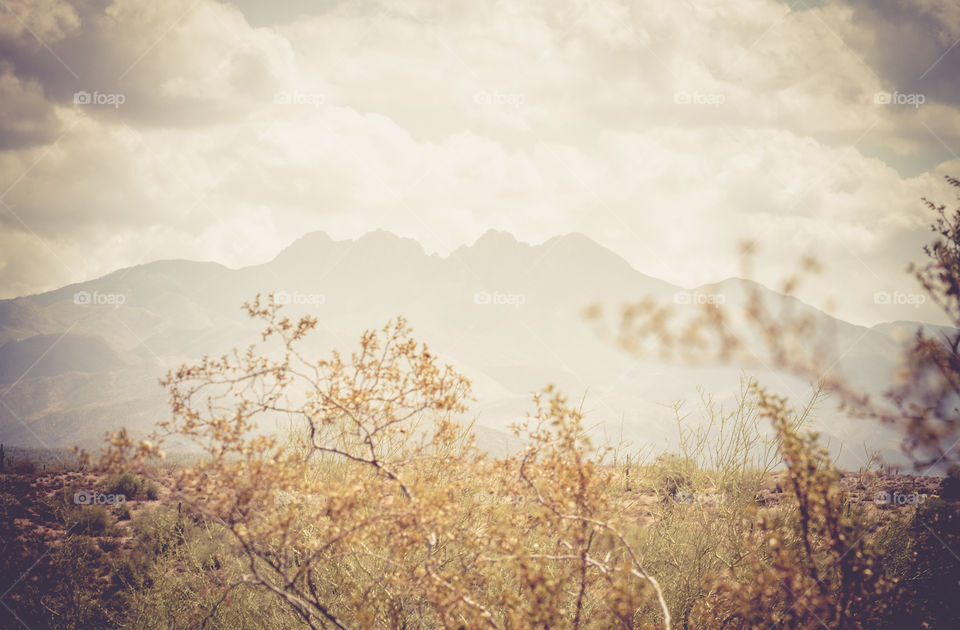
[52,355]
[508,314]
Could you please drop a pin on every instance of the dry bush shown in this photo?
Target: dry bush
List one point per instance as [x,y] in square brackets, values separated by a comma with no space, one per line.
[815,565]
[923,400]
[365,512]
[809,567]
[372,509]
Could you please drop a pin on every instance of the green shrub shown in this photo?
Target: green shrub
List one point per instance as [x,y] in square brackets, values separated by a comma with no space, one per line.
[59,506]
[133,571]
[131,486]
[159,530]
[92,520]
[127,484]
[674,473]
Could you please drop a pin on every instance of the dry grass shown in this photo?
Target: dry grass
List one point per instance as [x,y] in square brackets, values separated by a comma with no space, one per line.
[372,508]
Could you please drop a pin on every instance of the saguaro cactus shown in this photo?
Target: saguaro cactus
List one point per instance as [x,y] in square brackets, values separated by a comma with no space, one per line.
[3,458]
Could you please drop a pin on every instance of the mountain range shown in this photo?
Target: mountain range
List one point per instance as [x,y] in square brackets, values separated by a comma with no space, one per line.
[85,358]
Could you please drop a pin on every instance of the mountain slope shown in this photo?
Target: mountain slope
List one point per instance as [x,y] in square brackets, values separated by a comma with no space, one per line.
[507,314]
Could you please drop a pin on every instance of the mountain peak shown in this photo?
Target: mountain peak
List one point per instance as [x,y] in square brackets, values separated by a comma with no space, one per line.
[314,244]
[495,239]
[379,234]
[314,238]
[385,240]
[306,245]
[310,240]
[575,240]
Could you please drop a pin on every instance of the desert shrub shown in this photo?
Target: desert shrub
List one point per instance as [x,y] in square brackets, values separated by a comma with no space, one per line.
[672,474]
[131,486]
[24,467]
[893,539]
[179,574]
[127,484]
[388,543]
[810,567]
[160,529]
[91,520]
[135,571]
[59,506]
[373,509]
[921,402]
[537,538]
[69,594]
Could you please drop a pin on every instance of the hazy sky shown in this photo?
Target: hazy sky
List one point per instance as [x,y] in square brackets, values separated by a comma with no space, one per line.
[668,131]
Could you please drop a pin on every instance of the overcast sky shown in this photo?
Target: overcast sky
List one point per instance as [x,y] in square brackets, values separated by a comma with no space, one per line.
[666,130]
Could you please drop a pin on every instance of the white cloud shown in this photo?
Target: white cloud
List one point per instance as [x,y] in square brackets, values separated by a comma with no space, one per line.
[518,116]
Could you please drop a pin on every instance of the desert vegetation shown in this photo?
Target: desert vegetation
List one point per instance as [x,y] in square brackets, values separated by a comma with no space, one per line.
[346,492]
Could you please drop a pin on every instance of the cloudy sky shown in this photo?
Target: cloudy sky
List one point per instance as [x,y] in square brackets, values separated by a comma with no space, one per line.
[667,130]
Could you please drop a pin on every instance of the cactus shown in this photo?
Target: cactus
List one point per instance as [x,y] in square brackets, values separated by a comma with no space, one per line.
[3,458]
[178,528]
